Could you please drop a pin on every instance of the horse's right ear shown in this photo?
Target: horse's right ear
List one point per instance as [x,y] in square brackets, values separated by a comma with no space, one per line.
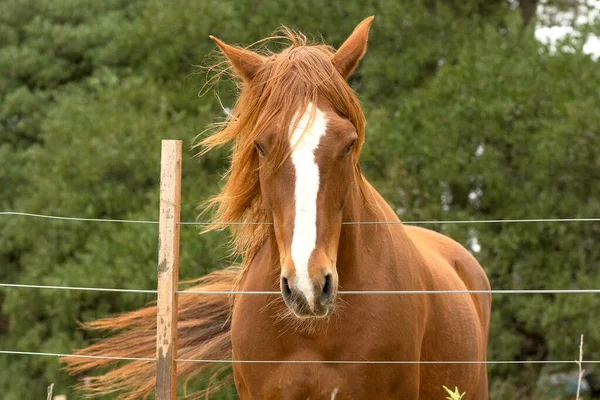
[245,63]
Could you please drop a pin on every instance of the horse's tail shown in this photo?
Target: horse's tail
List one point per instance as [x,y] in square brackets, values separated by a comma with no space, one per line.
[203,333]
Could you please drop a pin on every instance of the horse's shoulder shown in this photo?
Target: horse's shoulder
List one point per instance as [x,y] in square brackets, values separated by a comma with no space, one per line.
[453,253]
[455,261]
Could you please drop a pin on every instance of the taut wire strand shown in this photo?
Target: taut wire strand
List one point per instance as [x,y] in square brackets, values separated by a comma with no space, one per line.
[392,292]
[427,222]
[346,292]
[22,214]
[33,353]
[94,289]
[391,362]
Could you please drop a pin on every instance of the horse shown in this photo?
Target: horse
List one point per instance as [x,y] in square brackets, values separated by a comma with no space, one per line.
[316,227]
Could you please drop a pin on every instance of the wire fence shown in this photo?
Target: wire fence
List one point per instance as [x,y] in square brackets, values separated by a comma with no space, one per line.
[347,292]
[391,362]
[425,222]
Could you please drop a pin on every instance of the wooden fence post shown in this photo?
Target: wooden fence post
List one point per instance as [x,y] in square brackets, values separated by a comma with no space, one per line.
[168,270]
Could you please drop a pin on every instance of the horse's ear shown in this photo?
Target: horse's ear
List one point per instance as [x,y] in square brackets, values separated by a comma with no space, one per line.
[348,56]
[245,63]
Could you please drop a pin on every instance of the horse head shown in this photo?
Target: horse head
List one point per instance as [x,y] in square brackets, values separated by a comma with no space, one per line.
[298,133]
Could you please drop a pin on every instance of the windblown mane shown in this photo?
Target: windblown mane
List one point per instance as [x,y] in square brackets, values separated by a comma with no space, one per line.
[282,87]
[300,74]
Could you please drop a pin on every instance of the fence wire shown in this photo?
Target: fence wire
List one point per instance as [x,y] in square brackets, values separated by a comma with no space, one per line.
[82,288]
[346,292]
[374,362]
[22,214]
[425,222]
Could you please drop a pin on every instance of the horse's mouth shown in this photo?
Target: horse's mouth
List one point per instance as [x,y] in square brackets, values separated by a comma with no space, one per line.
[301,310]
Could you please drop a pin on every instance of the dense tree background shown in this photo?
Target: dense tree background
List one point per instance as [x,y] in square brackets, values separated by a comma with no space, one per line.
[469,118]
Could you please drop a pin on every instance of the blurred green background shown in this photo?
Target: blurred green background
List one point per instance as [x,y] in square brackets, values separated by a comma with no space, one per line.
[469,117]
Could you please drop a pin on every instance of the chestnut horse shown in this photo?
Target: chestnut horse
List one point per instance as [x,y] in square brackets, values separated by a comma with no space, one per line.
[297,131]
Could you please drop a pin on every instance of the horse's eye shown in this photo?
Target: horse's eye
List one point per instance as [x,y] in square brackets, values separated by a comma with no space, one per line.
[259,149]
[350,147]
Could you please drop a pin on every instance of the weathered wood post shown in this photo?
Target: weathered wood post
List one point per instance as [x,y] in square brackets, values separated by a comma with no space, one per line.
[168,270]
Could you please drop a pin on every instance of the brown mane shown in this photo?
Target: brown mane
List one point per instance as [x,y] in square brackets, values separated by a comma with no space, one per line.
[287,82]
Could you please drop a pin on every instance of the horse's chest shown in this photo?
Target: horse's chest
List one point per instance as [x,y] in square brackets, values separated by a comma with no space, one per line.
[290,382]
[258,335]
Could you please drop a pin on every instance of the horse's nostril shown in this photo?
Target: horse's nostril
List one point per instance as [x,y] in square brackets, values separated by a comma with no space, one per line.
[327,289]
[285,288]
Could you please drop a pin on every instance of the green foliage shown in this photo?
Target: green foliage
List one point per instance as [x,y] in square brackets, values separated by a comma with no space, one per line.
[469,117]
[534,125]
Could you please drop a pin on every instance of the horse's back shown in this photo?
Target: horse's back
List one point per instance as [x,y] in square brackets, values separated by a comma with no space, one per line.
[449,266]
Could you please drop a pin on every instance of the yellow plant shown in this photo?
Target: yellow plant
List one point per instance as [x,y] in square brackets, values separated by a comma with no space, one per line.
[454,395]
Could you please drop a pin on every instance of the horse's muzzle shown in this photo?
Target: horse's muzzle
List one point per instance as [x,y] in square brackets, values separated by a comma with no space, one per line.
[317,302]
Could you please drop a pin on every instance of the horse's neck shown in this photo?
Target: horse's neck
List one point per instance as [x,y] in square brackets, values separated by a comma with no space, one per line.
[368,206]
[368,248]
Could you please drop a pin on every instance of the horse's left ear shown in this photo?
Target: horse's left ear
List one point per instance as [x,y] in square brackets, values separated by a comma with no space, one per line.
[348,56]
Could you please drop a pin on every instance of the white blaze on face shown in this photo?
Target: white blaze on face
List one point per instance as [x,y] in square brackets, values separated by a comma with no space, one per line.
[305,140]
